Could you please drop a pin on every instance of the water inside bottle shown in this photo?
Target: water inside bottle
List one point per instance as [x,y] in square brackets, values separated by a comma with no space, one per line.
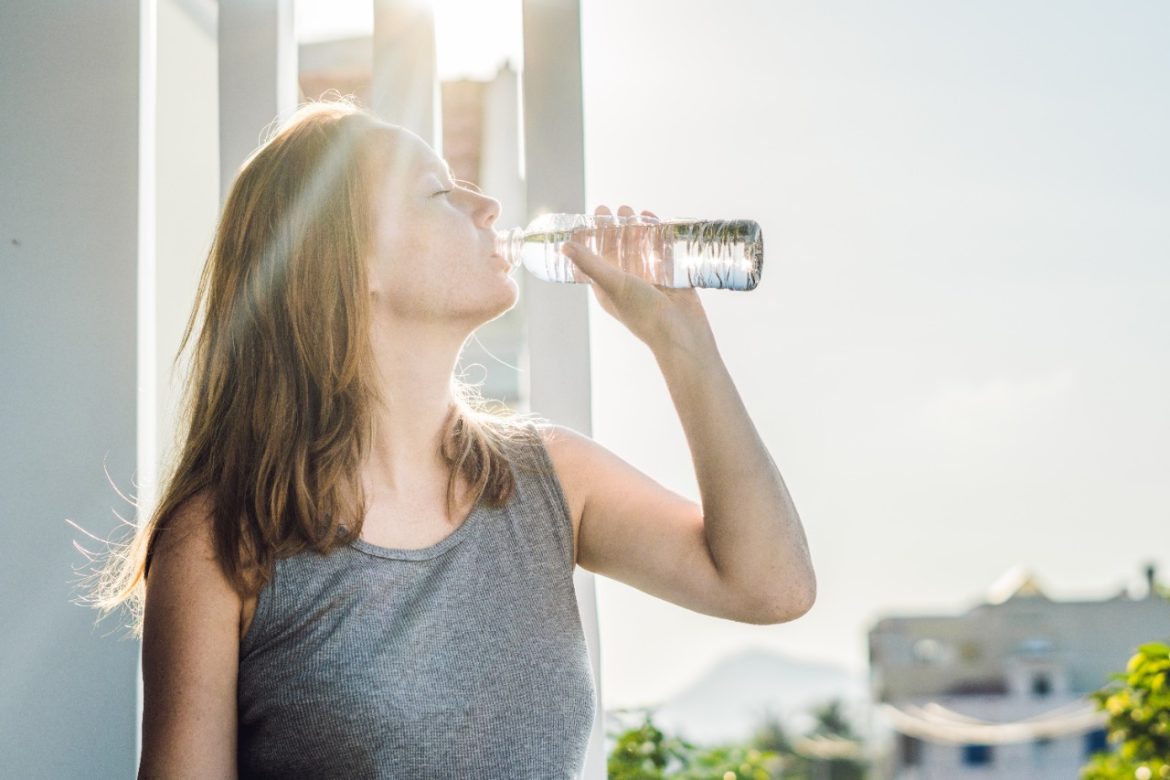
[672,253]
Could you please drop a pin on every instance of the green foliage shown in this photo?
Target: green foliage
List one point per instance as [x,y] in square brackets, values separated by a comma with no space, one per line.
[831,721]
[771,735]
[1138,703]
[732,762]
[645,753]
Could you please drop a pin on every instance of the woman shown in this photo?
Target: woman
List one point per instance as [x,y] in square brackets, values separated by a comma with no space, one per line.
[356,569]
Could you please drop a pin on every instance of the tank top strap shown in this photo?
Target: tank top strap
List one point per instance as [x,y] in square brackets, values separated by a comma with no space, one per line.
[542,497]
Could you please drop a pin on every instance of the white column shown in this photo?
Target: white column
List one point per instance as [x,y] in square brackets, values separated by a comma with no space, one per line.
[558,314]
[181,204]
[257,77]
[405,85]
[187,185]
[70,168]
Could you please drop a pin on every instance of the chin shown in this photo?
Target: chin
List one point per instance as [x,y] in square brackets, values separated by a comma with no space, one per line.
[513,297]
[504,298]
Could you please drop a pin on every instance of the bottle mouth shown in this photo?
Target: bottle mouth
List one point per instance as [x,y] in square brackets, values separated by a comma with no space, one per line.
[508,245]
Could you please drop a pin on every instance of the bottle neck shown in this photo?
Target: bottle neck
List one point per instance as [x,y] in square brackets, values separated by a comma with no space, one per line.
[509,244]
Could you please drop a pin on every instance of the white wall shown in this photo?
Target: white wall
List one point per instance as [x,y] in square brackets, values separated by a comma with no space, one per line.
[80,391]
[69,87]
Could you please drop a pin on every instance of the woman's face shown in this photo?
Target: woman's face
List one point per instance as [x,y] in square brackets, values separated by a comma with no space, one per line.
[434,243]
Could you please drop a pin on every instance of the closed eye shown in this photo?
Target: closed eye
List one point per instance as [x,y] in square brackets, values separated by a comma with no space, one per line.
[462,184]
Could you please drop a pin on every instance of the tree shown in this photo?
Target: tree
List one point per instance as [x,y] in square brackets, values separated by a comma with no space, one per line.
[831,721]
[645,753]
[1138,703]
[771,735]
[821,762]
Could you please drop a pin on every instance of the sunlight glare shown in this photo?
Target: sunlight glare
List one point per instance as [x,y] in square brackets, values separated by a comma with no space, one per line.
[472,37]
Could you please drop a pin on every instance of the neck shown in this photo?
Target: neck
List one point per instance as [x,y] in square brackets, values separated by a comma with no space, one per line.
[415,366]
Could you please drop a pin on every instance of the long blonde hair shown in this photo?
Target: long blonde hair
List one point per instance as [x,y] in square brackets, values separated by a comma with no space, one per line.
[277,414]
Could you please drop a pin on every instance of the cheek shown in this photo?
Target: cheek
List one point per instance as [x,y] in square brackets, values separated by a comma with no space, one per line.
[415,282]
[399,251]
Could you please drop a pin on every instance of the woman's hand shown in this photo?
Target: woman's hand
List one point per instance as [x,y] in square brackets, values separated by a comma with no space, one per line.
[661,317]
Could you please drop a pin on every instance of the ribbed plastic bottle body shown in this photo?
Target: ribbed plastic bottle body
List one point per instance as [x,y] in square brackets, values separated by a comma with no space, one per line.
[727,254]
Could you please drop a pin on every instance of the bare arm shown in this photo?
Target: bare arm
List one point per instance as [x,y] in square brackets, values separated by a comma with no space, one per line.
[190,655]
[749,522]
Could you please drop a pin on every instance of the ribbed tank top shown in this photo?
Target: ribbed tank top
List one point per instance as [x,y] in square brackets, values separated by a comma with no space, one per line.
[465,659]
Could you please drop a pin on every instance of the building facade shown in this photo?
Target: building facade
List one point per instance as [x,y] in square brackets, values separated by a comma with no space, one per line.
[1001,690]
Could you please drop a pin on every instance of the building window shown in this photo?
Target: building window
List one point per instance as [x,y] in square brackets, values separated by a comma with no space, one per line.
[978,687]
[1096,742]
[977,755]
[1035,647]
[1041,685]
[930,652]
[909,750]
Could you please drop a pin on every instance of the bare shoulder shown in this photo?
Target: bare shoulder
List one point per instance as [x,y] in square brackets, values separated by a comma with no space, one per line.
[569,452]
[190,651]
[187,533]
[185,570]
[188,542]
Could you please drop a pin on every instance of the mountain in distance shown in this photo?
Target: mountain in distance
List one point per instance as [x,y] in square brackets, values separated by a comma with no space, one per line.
[730,700]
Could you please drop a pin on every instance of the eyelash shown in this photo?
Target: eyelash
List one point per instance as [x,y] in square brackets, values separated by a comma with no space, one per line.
[467,185]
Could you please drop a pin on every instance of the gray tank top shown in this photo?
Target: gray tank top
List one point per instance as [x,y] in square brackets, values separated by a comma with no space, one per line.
[465,659]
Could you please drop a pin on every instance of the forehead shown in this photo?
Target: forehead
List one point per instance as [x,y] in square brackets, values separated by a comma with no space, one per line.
[408,155]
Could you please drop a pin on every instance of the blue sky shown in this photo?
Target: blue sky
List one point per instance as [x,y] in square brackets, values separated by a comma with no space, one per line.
[957,353]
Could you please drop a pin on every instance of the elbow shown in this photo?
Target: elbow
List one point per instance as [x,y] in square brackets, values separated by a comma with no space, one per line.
[789,606]
[805,605]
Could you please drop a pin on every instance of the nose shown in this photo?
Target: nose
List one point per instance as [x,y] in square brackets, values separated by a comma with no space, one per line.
[487,210]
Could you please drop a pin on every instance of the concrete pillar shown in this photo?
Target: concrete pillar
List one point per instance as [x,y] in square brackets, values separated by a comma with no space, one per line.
[558,314]
[187,192]
[257,77]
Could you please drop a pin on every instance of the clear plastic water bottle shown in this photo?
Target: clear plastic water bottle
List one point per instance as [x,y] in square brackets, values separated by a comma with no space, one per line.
[726,254]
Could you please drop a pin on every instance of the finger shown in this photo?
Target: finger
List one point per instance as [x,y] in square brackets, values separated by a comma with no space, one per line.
[629,252]
[604,241]
[597,269]
[650,214]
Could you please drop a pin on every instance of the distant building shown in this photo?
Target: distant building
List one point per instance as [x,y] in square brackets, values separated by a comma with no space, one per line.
[1000,691]
[480,132]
